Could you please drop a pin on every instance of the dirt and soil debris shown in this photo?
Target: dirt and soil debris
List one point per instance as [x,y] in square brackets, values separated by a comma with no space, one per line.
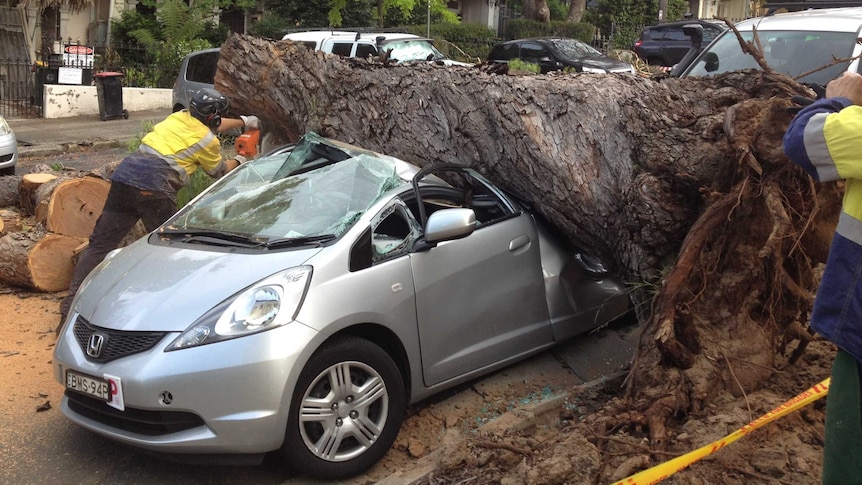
[590,440]
[584,438]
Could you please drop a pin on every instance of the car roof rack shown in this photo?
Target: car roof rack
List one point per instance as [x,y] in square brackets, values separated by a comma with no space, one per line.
[361,30]
[793,6]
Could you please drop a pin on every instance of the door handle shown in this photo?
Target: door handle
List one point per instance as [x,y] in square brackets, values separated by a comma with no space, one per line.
[520,244]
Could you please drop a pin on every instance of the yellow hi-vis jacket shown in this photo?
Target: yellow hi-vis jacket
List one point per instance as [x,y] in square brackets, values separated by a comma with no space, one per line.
[825,139]
[170,154]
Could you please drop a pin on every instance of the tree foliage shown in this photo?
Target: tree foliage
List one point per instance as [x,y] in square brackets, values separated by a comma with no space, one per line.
[302,14]
[355,13]
[624,19]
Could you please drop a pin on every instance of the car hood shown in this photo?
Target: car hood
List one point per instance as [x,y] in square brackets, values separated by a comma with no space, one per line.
[607,63]
[151,287]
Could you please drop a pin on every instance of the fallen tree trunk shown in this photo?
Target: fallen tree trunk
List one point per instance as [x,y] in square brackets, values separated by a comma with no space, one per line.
[681,184]
[37,261]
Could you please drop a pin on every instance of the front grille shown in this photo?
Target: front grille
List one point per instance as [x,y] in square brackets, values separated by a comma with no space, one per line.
[150,423]
[116,344]
[6,158]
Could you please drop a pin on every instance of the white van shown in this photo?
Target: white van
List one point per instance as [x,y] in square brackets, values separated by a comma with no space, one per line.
[793,43]
[403,47]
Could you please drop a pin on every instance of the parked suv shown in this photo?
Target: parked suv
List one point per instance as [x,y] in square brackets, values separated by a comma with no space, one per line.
[665,44]
[793,43]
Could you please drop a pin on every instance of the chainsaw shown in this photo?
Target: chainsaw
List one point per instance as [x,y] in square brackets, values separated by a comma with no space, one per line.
[248,144]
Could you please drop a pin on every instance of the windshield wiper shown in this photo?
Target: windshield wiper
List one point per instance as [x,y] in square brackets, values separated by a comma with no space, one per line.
[212,236]
[286,242]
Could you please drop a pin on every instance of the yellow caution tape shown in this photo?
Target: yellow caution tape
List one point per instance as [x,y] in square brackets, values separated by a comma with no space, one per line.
[668,468]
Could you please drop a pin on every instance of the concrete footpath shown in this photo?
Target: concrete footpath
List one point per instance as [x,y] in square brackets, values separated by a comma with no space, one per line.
[43,137]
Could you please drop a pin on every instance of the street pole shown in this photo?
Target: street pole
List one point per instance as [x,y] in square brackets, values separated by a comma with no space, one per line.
[428,25]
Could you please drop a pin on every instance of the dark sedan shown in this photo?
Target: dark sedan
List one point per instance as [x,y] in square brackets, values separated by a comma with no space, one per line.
[556,54]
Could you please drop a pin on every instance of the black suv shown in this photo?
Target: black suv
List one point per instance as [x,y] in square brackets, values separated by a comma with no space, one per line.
[665,44]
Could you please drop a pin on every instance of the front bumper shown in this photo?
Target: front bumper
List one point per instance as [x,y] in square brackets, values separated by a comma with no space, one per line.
[229,397]
[8,151]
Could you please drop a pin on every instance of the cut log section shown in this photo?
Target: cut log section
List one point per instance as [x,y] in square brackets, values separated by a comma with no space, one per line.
[27,191]
[37,261]
[9,191]
[10,221]
[75,205]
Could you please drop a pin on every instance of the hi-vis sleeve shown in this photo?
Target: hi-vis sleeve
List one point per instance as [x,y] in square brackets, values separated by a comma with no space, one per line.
[825,138]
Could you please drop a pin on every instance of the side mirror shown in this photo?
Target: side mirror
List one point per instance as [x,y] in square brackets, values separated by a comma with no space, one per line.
[710,62]
[448,224]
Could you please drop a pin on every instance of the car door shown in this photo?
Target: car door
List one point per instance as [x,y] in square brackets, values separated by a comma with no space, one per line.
[480,300]
[536,53]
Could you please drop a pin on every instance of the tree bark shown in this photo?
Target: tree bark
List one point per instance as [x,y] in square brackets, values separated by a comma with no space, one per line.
[680,185]
[576,11]
[9,190]
[37,261]
[10,221]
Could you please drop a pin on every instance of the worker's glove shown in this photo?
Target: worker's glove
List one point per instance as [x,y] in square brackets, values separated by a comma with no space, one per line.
[799,102]
[251,122]
[240,159]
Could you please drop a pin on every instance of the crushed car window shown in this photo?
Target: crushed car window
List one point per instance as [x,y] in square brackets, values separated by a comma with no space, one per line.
[412,50]
[789,52]
[262,202]
[394,232]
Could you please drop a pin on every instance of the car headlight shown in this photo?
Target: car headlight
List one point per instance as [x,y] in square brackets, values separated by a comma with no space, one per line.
[271,303]
[594,70]
[4,127]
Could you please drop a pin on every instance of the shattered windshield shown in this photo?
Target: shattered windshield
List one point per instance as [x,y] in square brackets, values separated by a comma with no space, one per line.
[791,52]
[413,50]
[319,188]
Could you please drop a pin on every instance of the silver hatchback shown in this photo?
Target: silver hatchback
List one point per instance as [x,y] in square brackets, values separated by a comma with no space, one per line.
[301,302]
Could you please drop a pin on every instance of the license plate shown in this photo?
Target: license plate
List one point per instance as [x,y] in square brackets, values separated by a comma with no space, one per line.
[92,386]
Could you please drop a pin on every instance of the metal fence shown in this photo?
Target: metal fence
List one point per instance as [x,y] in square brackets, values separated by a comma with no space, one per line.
[16,89]
[22,83]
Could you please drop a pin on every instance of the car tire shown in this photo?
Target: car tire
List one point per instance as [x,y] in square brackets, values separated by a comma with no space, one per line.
[333,433]
[7,171]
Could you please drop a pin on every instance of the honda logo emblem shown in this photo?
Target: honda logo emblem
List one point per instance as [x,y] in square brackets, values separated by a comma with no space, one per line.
[96,345]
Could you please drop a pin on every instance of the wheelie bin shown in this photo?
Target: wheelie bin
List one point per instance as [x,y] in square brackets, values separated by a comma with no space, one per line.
[109,89]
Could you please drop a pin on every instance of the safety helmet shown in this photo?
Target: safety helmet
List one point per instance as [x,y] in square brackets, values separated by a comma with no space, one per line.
[207,104]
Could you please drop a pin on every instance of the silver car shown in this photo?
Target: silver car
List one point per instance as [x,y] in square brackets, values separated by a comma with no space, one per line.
[301,302]
[8,149]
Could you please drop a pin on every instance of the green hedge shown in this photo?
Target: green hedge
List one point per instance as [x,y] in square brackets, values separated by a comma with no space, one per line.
[520,29]
[462,42]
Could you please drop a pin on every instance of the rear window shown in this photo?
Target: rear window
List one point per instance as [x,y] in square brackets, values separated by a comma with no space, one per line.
[202,68]
[790,52]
